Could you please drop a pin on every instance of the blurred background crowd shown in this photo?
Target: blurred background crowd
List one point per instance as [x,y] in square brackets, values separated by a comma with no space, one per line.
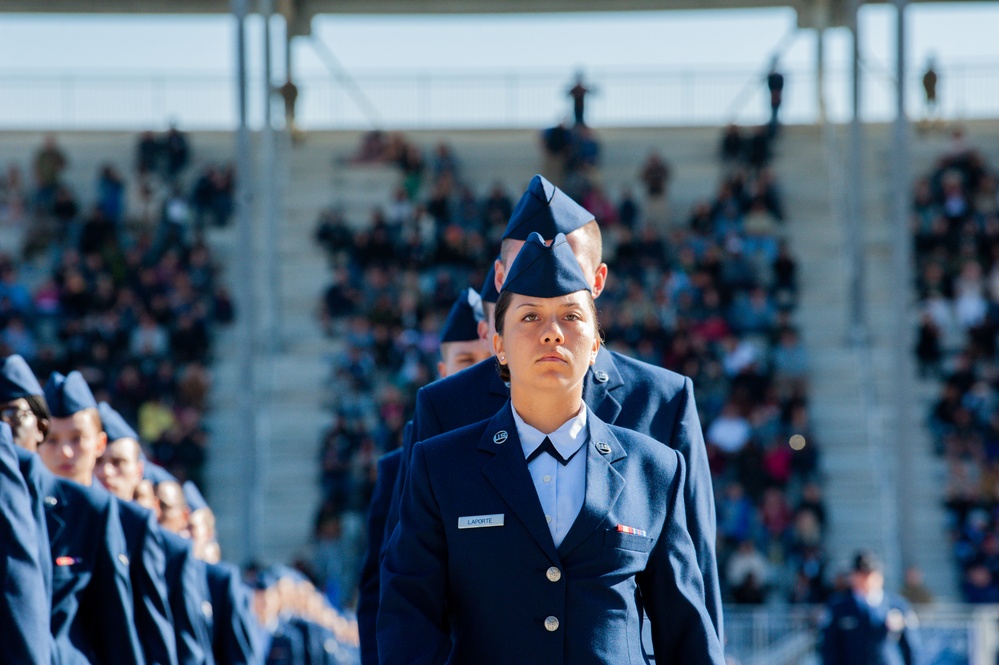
[119,283]
[955,211]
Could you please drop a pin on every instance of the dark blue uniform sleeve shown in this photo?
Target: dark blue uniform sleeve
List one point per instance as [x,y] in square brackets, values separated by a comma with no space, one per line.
[698,495]
[673,591]
[235,628]
[412,617]
[108,607]
[189,600]
[424,425]
[831,647]
[24,606]
[153,619]
[367,603]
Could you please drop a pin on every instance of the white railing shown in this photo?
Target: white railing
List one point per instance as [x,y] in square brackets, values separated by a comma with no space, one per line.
[951,634]
[474,99]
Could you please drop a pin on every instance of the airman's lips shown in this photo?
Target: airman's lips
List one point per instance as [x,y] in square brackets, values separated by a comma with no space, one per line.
[552,357]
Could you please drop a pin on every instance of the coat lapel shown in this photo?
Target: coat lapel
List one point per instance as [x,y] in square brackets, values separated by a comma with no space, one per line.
[508,474]
[599,384]
[603,485]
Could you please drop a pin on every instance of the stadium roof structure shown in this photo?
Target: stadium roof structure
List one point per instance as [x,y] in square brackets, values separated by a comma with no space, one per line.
[810,12]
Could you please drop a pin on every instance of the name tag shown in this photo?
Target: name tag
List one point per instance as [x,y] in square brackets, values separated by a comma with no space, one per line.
[479,521]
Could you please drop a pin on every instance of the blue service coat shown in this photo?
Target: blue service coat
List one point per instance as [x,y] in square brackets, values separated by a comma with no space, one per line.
[287,644]
[367,600]
[322,647]
[235,629]
[621,391]
[153,620]
[189,600]
[92,616]
[24,603]
[855,633]
[506,594]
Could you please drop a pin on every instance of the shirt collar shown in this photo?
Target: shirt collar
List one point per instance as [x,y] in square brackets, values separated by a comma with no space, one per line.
[567,439]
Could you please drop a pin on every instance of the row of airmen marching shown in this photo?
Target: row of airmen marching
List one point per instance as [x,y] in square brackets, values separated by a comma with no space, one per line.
[107,560]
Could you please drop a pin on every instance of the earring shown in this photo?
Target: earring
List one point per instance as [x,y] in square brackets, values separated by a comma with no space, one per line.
[502,358]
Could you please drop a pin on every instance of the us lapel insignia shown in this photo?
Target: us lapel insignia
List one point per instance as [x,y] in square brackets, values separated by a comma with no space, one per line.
[500,436]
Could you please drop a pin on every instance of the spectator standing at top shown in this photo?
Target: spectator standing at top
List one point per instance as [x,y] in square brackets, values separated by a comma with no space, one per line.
[578,94]
[775,85]
[176,152]
[930,89]
[49,164]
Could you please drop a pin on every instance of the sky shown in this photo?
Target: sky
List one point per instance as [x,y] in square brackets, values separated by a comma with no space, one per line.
[56,48]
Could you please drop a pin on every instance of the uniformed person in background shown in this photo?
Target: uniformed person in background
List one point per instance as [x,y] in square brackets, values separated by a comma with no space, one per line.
[92,601]
[868,625]
[620,390]
[119,470]
[541,534]
[24,604]
[190,598]
[234,629]
[461,346]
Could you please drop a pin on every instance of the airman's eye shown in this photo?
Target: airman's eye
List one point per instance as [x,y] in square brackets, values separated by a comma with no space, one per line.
[530,317]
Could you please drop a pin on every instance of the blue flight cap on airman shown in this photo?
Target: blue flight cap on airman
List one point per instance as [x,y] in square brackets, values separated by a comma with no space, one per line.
[265,579]
[462,323]
[547,210]
[6,436]
[488,292]
[155,473]
[114,425]
[195,499]
[543,271]
[17,380]
[68,394]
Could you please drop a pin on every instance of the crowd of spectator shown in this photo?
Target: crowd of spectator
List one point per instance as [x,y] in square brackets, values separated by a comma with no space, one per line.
[955,221]
[129,301]
[711,296]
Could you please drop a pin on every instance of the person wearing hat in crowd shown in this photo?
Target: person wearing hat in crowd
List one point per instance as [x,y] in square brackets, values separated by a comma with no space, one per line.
[24,605]
[867,625]
[488,295]
[543,522]
[119,470]
[190,598]
[93,616]
[461,346]
[234,631]
[620,390]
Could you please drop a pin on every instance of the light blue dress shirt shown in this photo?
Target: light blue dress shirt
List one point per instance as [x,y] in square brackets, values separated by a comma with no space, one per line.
[561,488]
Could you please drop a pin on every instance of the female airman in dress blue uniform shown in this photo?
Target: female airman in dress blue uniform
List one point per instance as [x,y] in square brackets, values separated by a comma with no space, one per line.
[542,534]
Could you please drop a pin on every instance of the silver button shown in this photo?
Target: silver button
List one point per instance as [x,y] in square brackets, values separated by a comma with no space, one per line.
[601,376]
[123,558]
[51,500]
[500,436]
[548,518]
[603,448]
[551,624]
[206,609]
[547,479]
[553,574]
